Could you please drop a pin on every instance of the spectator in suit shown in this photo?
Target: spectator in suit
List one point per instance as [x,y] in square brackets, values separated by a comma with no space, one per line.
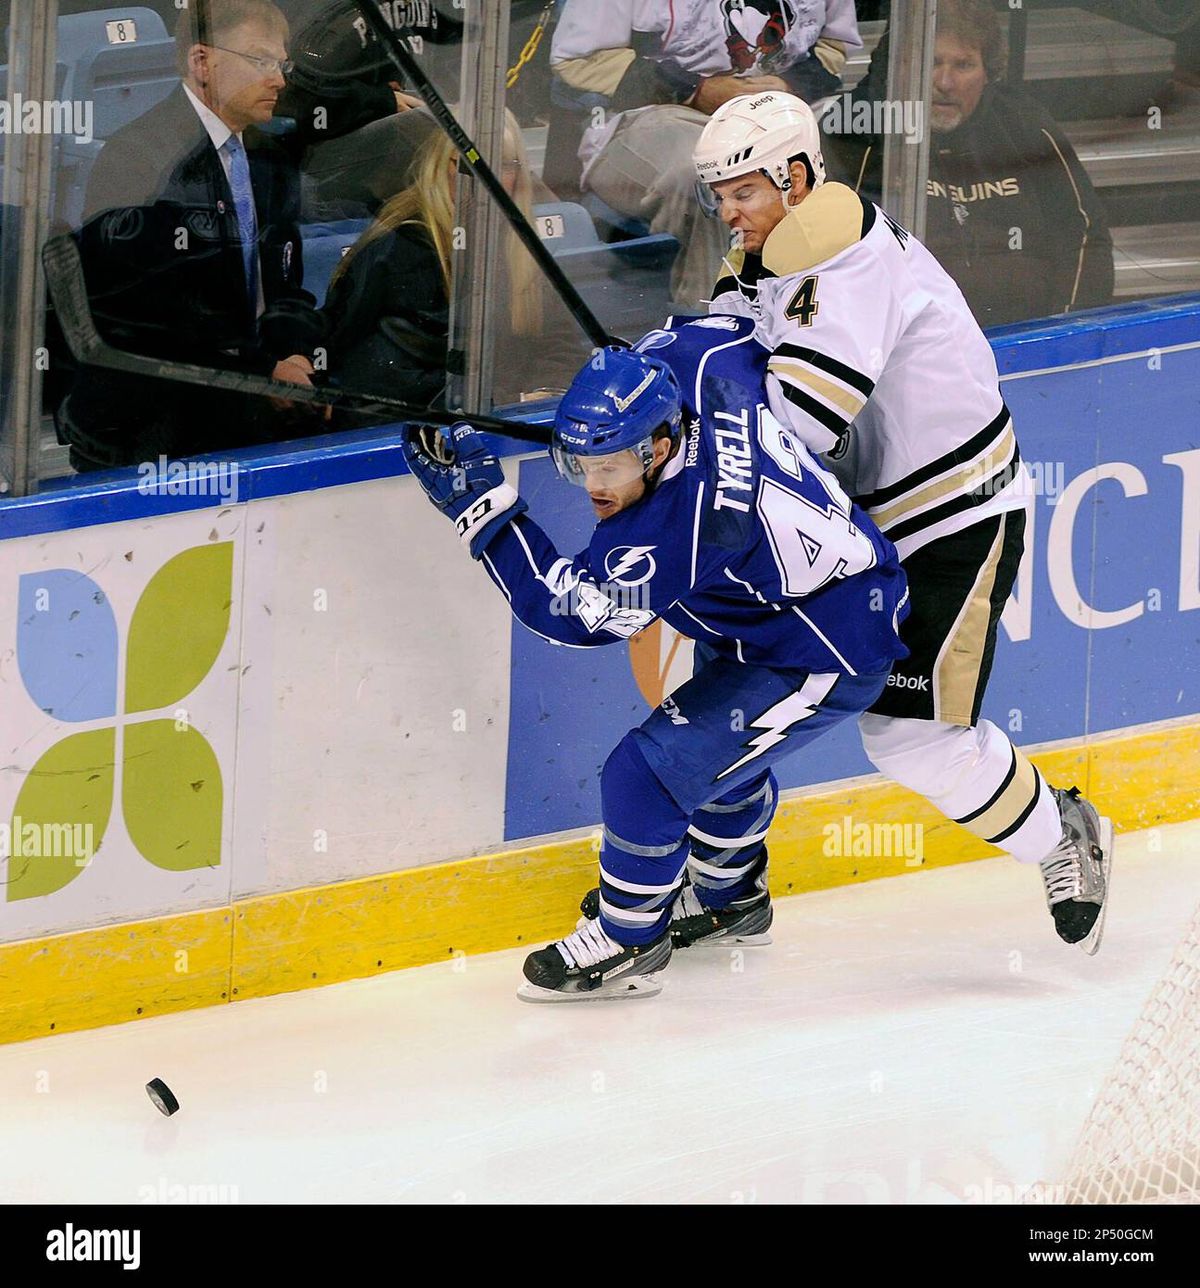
[1010,211]
[635,82]
[191,251]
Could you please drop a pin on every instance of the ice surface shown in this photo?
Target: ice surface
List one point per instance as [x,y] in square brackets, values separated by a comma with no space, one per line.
[923,1039]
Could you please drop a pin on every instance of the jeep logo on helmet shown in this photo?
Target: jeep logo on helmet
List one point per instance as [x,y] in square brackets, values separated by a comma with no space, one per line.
[758,102]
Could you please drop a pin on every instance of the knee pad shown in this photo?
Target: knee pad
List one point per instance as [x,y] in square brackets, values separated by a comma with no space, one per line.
[928,756]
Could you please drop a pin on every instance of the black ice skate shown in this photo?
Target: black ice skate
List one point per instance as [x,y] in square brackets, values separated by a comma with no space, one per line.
[1076,871]
[589,966]
[745,923]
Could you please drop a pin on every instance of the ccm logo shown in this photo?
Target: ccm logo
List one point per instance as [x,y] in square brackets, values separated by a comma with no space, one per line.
[470,517]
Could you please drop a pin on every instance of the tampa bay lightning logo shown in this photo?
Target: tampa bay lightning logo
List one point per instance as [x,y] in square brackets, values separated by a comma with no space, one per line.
[630,565]
[756,30]
[655,340]
[717,322]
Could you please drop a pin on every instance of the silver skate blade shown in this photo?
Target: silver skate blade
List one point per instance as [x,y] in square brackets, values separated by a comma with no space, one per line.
[635,986]
[1091,941]
[734,941]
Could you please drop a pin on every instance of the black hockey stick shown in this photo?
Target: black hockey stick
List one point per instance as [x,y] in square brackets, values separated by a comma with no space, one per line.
[68,290]
[407,64]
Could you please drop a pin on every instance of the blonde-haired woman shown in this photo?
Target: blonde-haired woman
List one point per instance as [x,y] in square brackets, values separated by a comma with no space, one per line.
[388,302]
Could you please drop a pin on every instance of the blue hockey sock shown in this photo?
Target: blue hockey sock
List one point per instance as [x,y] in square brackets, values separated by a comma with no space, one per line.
[728,855]
[645,847]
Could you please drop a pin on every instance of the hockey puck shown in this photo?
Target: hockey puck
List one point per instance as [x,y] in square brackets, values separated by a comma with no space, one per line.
[163,1096]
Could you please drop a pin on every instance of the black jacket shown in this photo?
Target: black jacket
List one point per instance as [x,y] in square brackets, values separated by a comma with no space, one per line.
[1010,213]
[165,277]
[161,251]
[388,318]
[389,323]
[1012,216]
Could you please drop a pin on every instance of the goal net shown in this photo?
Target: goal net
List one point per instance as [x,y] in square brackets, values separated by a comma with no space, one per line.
[1141,1141]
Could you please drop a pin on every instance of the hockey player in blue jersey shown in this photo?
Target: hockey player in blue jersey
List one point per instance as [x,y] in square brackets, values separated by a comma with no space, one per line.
[712,516]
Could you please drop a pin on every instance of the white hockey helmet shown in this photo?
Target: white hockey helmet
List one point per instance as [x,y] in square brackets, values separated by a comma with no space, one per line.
[758,132]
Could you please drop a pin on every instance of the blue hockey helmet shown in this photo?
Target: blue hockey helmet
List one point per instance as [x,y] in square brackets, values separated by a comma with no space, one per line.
[606,421]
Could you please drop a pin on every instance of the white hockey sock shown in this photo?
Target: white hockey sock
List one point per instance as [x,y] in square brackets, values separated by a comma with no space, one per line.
[974,776]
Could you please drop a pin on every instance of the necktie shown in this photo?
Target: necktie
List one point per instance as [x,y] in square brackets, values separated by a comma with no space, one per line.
[243,202]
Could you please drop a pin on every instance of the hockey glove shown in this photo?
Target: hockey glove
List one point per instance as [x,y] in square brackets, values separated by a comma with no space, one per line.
[463,479]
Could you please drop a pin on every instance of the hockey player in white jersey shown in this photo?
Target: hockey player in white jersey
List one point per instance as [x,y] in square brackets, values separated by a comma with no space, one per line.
[877,363]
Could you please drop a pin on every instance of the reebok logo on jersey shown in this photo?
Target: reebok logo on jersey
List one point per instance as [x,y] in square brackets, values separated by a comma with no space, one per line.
[734,471]
[630,565]
[693,444]
[908,682]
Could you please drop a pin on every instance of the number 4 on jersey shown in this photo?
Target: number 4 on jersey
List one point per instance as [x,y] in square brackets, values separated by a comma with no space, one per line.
[803,307]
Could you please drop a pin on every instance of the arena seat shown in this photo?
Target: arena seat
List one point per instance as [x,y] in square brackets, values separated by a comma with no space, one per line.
[324,246]
[121,61]
[123,78]
[564,226]
[625,283]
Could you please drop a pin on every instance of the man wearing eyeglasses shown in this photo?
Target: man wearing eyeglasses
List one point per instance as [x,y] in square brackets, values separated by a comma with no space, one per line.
[191,249]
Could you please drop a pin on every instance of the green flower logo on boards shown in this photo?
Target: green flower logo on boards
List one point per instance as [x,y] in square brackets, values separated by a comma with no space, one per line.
[171,790]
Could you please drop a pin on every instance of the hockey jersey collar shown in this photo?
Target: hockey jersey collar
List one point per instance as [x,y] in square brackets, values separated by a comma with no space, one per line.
[828,221]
